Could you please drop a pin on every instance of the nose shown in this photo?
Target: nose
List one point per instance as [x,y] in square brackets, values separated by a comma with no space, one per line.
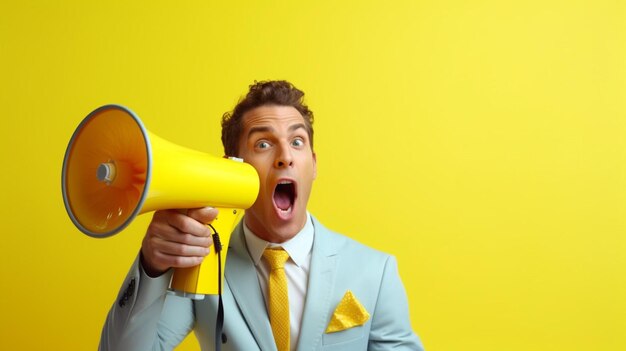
[284,158]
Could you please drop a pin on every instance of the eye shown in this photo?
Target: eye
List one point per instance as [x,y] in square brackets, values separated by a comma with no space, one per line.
[297,142]
[263,145]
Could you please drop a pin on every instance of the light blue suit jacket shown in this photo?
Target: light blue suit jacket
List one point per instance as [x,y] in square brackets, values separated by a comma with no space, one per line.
[145,318]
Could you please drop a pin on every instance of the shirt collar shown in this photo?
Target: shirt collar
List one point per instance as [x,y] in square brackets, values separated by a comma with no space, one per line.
[297,247]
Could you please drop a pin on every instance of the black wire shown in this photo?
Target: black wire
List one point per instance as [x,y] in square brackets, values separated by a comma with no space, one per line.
[220,338]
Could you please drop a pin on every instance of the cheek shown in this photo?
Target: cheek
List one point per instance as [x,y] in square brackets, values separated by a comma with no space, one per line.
[256,162]
[262,173]
[313,169]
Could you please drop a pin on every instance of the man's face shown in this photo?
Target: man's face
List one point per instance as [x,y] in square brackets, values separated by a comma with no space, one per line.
[275,142]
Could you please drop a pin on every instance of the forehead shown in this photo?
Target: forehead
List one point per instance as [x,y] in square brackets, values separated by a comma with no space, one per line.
[271,116]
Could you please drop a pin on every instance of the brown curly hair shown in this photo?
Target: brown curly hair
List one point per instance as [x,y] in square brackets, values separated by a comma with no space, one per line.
[273,92]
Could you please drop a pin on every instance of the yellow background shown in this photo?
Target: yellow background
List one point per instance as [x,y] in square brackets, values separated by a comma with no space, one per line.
[481,142]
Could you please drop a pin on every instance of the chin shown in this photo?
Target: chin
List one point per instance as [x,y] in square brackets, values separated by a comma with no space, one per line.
[270,227]
[285,230]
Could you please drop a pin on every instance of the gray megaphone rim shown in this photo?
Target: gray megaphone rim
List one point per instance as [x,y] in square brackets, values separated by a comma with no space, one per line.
[144,193]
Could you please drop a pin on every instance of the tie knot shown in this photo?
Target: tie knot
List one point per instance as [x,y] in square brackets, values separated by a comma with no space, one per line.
[276,257]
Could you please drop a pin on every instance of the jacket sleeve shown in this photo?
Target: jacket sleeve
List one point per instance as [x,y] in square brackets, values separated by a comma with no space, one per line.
[391,325]
[144,316]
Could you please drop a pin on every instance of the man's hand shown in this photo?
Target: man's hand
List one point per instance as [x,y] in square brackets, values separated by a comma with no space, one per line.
[176,239]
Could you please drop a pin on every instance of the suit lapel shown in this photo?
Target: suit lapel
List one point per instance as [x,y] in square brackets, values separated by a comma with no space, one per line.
[243,281]
[319,291]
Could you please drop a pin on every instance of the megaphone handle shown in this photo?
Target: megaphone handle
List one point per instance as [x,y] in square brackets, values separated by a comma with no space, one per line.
[195,282]
[226,220]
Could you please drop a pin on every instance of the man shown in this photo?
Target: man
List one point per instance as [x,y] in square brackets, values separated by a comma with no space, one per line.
[341,294]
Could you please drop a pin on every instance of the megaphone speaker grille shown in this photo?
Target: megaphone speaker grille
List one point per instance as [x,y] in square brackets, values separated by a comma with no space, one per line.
[106,171]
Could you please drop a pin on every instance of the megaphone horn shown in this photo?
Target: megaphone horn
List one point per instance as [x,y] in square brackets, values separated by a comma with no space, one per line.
[114,169]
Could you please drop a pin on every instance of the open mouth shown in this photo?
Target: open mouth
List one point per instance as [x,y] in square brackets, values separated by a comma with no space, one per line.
[285,196]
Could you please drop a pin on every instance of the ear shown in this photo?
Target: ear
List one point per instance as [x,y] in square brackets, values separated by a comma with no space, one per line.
[314,165]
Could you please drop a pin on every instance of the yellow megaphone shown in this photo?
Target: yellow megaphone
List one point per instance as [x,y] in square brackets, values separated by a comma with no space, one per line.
[114,170]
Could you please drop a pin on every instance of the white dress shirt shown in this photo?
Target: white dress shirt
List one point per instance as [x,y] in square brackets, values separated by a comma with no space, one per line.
[296,268]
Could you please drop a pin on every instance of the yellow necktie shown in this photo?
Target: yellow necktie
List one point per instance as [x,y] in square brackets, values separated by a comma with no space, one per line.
[279,299]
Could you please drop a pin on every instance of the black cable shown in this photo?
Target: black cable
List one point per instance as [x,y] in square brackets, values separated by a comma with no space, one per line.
[220,338]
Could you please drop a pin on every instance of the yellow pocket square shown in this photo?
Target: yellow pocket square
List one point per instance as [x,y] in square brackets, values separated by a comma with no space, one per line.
[349,313]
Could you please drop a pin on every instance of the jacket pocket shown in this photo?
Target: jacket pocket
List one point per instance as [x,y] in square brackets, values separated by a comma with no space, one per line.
[344,336]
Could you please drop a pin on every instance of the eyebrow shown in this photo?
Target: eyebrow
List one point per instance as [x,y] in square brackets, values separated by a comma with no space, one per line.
[264,129]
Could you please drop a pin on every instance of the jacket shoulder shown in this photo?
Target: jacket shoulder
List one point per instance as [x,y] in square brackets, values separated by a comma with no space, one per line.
[334,243]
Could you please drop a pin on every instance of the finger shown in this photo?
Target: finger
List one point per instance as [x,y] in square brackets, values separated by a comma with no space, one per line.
[178,261]
[192,240]
[156,262]
[160,227]
[177,249]
[203,215]
[187,224]
[158,231]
